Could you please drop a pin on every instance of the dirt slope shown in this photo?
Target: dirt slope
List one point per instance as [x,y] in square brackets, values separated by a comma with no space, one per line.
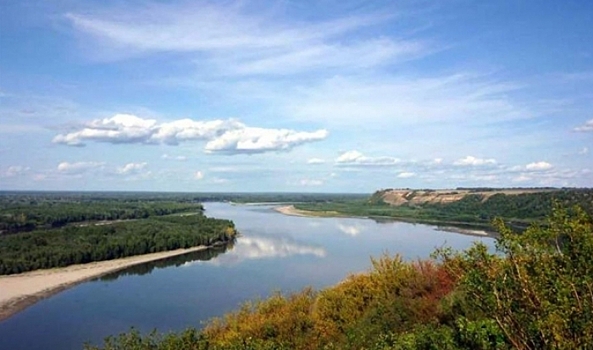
[400,197]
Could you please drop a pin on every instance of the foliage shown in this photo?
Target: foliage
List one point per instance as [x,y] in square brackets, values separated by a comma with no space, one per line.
[540,292]
[69,245]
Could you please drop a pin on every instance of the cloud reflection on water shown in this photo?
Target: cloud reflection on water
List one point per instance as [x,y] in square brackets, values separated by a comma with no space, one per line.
[351,230]
[264,247]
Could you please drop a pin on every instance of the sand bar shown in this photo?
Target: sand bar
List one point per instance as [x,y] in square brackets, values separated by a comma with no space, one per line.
[22,290]
[291,210]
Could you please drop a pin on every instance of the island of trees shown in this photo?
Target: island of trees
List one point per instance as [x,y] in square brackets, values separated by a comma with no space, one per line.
[39,231]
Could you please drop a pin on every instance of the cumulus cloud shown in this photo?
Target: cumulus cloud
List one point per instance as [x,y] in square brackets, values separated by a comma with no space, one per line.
[315,161]
[355,158]
[473,161]
[259,140]
[587,127]
[222,136]
[538,166]
[131,168]
[584,151]
[199,175]
[78,167]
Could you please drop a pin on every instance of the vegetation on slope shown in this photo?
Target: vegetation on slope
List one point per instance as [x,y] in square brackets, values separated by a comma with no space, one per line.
[535,292]
[518,210]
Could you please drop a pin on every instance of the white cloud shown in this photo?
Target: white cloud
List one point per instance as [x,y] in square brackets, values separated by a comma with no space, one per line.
[180,158]
[585,150]
[315,161]
[15,170]
[355,158]
[473,161]
[406,175]
[587,127]
[78,167]
[199,175]
[538,166]
[350,230]
[131,168]
[238,43]
[121,128]
[311,182]
[222,136]
[259,140]
[382,99]
[254,247]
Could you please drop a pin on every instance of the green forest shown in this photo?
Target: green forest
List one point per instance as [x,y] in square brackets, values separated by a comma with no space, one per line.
[534,292]
[42,231]
[518,211]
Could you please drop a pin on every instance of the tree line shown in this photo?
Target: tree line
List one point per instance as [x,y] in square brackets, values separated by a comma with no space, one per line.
[41,249]
[43,213]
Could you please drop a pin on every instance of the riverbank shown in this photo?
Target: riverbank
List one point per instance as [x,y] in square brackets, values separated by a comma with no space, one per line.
[292,211]
[20,291]
[476,230]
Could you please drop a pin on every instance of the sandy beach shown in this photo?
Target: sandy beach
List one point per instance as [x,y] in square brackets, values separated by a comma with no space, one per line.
[22,290]
[291,210]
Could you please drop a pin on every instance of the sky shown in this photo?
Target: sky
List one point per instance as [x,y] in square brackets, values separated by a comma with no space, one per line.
[295,96]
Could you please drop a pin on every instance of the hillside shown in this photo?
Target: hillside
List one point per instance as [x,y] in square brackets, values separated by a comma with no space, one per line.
[458,207]
[398,197]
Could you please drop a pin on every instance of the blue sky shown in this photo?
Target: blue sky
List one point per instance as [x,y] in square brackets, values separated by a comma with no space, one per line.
[319,96]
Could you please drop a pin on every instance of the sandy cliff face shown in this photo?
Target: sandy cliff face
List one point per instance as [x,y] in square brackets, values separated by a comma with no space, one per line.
[400,197]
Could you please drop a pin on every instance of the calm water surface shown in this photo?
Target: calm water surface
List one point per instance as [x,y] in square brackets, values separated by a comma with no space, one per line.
[275,252]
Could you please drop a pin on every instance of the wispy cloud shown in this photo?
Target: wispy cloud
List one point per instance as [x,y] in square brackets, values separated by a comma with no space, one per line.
[464,97]
[406,175]
[315,161]
[15,170]
[310,182]
[235,41]
[587,127]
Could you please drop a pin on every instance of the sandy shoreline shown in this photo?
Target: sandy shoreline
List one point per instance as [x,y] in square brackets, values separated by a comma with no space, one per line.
[22,290]
[292,211]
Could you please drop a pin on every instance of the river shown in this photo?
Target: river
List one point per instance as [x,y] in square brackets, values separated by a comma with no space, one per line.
[274,252]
